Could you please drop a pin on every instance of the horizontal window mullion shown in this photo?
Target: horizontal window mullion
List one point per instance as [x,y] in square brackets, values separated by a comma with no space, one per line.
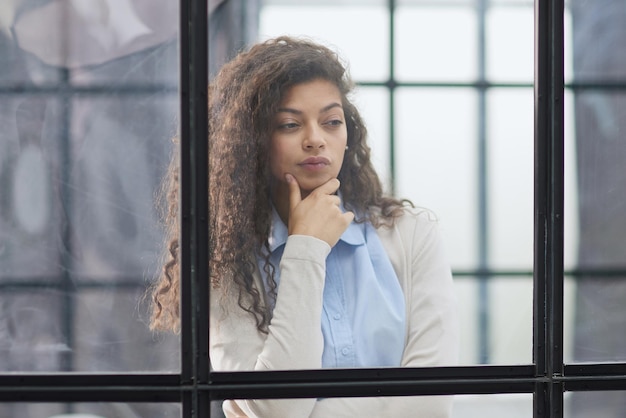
[373,382]
[374,374]
[91,90]
[595,370]
[60,387]
[88,380]
[596,383]
[92,394]
[370,388]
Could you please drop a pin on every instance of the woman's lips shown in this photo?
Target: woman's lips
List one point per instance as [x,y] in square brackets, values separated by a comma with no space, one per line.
[314,163]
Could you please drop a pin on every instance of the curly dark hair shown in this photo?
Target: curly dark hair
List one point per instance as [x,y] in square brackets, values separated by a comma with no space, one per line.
[243,100]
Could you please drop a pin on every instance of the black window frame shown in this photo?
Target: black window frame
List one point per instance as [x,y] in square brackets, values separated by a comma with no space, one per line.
[547,378]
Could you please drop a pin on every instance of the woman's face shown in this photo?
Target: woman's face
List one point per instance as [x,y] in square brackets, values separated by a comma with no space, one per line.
[309,136]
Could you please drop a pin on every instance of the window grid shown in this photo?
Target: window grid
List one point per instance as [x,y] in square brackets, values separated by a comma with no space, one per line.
[194,197]
[547,378]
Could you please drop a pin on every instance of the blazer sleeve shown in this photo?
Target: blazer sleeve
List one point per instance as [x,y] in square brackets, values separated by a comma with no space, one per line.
[294,339]
[418,254]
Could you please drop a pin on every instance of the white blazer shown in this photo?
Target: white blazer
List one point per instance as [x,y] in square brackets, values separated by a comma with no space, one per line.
[295,339]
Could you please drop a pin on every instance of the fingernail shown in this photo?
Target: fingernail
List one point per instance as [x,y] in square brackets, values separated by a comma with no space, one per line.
[288,177]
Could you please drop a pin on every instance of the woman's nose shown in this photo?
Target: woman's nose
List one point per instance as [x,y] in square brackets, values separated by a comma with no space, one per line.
[314,138]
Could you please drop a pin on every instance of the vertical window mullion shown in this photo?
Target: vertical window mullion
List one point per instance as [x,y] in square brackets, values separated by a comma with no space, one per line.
[549,180]
[194,205]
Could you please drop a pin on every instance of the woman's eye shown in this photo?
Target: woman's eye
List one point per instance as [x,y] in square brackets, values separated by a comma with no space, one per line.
[335,122]
[290,125]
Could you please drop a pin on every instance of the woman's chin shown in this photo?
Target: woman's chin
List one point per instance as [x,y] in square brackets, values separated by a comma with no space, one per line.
[308,185]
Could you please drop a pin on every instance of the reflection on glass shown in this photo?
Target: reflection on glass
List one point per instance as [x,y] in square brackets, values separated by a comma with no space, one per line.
[107,346]
[608,404]
[89,36]
[600,333]
[90,410]
[590,62]
[600,316]
[79,171]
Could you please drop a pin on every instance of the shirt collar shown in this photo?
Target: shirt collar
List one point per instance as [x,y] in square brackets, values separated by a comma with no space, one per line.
[353,235]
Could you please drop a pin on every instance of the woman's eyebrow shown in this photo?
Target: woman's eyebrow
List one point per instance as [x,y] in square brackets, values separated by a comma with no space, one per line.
[331,106]
[289,110]
[299,112]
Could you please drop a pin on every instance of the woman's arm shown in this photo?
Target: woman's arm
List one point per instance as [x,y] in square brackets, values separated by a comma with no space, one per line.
[432,334]
[294,339]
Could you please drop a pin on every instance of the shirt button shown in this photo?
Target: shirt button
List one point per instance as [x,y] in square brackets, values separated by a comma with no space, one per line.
[337,316]
[345,351]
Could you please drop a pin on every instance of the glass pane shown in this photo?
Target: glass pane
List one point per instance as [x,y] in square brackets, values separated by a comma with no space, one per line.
[571,229]
[599,117]
[510,177]
[373,104]
[512,2]
[495,319]
[510,320]
[107,346]
[471,323]
[449,3]
[90,410]
[600,320]
[463,406]
[365,45]
[517,405]
[598,28]
[568,44]
[571,212]
[423,33]
[608,404]
[510,43]
[430,406]
[436,162]
[18,62]
[411,325]
[80,233]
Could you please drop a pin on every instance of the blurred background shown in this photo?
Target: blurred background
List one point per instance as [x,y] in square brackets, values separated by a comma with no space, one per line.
[89,104]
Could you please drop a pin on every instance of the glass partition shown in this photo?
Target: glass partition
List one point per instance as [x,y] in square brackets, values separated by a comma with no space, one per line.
[597,177]
[90,410]
[88,112]
[89,106]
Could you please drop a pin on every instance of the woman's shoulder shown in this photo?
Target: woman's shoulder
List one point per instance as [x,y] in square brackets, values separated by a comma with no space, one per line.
[418,214]
[414,226]
[413,219]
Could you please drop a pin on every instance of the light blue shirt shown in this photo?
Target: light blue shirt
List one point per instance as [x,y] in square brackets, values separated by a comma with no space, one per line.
[363,317]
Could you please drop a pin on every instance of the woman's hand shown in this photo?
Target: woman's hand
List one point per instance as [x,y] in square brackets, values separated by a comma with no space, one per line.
[318,214]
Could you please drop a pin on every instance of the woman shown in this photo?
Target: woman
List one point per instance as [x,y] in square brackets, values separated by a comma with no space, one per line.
[311,265]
